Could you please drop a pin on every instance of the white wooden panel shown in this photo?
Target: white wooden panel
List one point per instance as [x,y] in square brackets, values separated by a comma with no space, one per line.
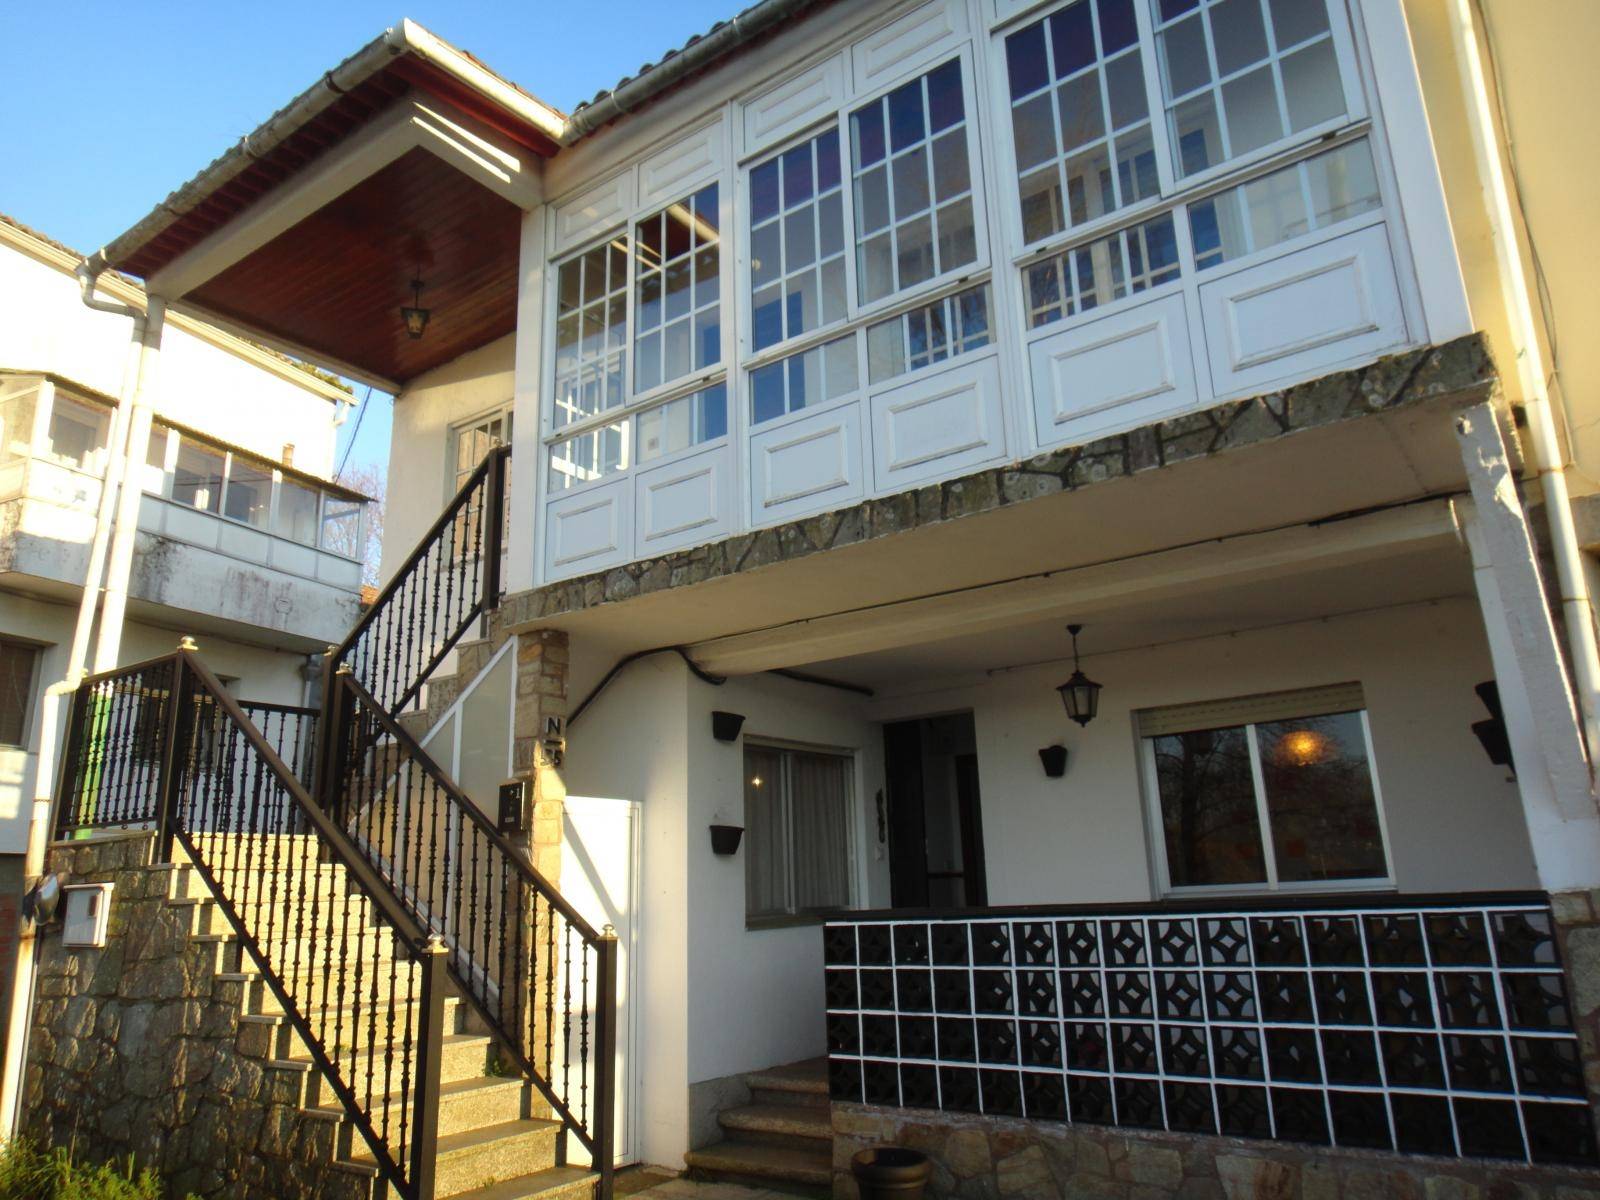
[681,167]
[589,531]
[591,212]
[1302,313]
[936,427]
[1112,374]
[903,45]
[807,466]
[792,105]
[684,502]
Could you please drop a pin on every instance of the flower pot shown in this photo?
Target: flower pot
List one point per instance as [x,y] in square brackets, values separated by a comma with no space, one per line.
[725,839]
[891,1173]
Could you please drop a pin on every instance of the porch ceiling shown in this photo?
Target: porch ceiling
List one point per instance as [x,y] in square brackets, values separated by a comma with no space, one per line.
[335,282]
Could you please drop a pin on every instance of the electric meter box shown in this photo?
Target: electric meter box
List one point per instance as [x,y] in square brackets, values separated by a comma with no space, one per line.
[86,908]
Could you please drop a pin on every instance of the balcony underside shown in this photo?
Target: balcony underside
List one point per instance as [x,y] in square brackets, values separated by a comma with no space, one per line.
[1359,440]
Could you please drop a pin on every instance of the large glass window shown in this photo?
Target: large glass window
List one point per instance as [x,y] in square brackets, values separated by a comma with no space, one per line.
[341,527]
[248,497]
[913,185]
[677,308]
[1102,271]
[797,816]
[805,380]
[78,433]
[947,328]
[19,665]
[197,477]
[687,421]
[589,456]
[1282,800]
[1241,74]
[297,513]
[1080,120]
[591,332]
[797,275]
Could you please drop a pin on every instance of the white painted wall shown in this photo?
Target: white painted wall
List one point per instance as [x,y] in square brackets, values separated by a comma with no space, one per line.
[44,326]
[261,674]
[421,472]
[1454,820]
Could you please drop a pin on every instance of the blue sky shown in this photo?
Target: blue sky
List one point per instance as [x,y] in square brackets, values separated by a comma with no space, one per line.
[110,106]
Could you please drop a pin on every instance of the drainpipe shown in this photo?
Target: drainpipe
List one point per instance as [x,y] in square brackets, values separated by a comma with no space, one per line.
[119,569]
[39,823]
[1549,460]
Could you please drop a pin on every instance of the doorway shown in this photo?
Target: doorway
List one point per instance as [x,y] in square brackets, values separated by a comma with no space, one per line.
[935,813]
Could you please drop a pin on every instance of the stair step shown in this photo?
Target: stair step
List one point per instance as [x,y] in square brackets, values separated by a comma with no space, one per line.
[779,1121]
[475,1159]
[553,1183]
[352,1027]
[806,1078]
[738,1160]
[461,1056]
[467,1104]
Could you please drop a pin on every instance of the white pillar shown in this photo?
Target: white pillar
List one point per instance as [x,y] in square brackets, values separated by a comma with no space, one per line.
[1542,720]
[526,423]
[120,567]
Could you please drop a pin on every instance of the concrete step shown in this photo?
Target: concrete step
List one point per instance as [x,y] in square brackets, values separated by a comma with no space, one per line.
[796,1084]
[461,1056]
[478,1158]
[780,1124]
[761,1164]
[467,1104]
[553,1183]
[208,916]
[349,1025]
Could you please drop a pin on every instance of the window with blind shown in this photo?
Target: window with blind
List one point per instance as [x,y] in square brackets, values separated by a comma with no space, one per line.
[797,815]
[19,663]
[1265,792]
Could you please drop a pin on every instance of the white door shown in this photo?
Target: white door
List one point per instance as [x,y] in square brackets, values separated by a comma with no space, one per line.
[600,878]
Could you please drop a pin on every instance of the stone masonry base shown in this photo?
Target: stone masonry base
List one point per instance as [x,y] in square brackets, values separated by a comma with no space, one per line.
[992,1158]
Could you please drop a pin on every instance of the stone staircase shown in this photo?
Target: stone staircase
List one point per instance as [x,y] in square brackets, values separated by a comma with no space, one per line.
[782,1139]
[492,1143]
[442,690]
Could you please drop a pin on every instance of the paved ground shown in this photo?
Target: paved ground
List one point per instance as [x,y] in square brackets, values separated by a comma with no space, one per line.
[658,1185]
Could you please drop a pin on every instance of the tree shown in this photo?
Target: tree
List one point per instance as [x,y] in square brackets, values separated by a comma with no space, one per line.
[370,480]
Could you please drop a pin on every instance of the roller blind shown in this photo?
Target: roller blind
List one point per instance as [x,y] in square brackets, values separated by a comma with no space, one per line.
[1247,710]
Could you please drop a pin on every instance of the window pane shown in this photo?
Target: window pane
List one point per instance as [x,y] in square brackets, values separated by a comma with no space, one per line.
[249,493]
[297,513]
[589,456]
[17,669]
[1105,270]
[819,800]
[197,477]
[1311,83]
[78,433]
[1208,808]
[805,380]
[797,240]
[680,298]
[684,422]
[942,330]
[1265,212]
[1320,800]
[766,842]
[591,328]
[341,527]
[903,189]
[155,461]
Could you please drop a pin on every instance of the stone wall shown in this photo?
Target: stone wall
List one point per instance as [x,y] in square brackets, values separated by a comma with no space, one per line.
[993,1158]
[1577,917]
[137,1049]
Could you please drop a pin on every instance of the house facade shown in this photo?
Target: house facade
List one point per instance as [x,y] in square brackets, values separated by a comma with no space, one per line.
[797,395]
[244,541]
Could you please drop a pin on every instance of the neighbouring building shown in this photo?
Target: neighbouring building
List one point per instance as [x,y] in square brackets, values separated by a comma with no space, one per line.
[765,424]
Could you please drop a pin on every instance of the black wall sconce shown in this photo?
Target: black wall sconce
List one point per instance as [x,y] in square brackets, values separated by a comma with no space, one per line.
[1054,759]
[725,726]
[725,839]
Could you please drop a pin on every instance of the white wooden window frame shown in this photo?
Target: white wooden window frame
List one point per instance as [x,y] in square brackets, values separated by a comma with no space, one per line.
[1155,830]
[853,863]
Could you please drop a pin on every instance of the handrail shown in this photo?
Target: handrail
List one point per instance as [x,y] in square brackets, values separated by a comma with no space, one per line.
[437,849]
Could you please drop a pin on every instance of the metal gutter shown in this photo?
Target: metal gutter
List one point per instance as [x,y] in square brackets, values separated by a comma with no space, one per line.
[698,55]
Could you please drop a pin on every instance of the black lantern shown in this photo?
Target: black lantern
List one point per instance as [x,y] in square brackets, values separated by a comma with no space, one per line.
[414,315]
[1080,694]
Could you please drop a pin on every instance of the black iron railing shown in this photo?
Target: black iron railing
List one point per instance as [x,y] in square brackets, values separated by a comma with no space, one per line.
[362,981]
[447,582]
[289,729]
[539,974]
[1433,1025]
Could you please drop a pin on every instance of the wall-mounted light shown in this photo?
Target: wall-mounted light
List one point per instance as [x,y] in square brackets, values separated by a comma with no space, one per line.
[414,315]
[1080,694]
[1054,760]
[725,726]
[725,839]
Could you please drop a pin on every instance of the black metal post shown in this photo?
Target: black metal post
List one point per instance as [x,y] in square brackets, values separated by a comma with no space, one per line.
[605,1063]
[494,532]
[174,744]
[430,1043]
[69,787]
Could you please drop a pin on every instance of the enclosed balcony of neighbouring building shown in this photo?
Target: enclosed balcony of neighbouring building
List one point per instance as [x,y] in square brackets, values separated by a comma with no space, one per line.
[227,539]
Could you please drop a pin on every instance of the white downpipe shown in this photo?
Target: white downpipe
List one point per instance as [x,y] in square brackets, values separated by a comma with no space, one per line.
[1549,461]
[40,816]
[114,603]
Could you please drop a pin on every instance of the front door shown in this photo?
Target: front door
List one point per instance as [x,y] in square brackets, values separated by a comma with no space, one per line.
[935,817]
